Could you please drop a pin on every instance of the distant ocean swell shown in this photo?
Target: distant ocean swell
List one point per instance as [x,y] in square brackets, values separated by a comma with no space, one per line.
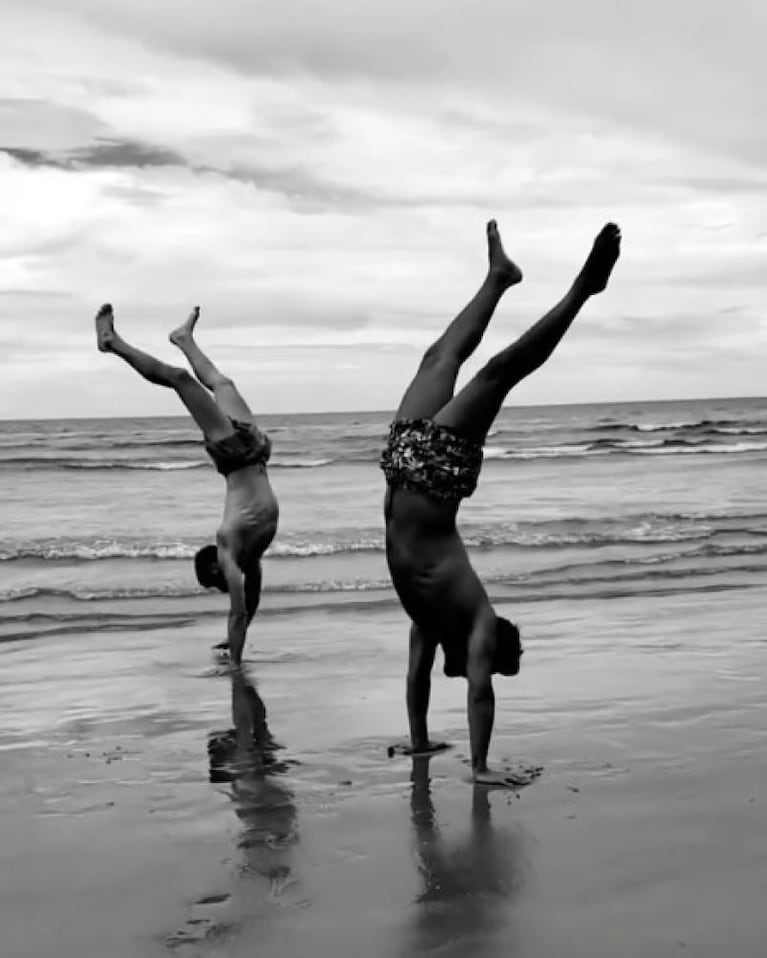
[713,426]
[606,446]
[153,465]
[81,441]
[594,532]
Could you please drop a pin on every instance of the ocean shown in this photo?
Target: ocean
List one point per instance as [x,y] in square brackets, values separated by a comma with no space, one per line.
[99,518]
[628,541]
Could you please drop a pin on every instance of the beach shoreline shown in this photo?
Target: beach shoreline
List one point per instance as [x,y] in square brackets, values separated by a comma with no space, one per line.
[643,835]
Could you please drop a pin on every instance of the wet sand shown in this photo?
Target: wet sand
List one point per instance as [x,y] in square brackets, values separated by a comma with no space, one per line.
[646,834]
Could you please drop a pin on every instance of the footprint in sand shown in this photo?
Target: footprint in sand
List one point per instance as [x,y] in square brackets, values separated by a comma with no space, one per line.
[205,928]
[213,899]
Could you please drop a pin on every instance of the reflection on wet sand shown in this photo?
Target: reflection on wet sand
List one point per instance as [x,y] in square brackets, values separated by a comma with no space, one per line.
[467,885]
[245,757]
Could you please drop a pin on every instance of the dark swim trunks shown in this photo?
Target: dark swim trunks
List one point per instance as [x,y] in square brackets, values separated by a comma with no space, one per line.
[247,446]
[432,459]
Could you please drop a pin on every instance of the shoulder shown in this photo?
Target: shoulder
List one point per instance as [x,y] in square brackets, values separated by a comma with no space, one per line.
[227,542]
[225,537]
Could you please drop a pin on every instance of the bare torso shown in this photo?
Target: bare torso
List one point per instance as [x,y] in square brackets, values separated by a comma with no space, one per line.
[250,515]
[430,567]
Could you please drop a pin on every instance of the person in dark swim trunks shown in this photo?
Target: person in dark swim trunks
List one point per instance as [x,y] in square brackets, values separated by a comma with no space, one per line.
[240,452]
[431,461]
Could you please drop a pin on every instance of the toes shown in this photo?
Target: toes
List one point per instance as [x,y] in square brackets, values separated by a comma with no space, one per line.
[105,309]
[492,226]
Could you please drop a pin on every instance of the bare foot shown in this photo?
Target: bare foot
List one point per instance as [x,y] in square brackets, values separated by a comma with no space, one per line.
[500,264]
[497,779]
[186,329]
[105,328]
[603,256]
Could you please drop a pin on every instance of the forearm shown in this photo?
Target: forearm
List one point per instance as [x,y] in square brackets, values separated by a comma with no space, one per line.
[481,712]
[237,629]
[418,692]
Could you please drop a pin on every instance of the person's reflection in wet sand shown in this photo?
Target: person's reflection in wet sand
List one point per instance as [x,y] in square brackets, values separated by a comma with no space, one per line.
[468,885]
[245,756]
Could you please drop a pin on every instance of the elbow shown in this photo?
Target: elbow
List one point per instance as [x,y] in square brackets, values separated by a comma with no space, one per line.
[481,691]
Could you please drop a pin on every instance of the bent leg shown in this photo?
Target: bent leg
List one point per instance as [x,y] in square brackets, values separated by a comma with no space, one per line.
[472,411]
[228,398]
[434,382]
[211,420]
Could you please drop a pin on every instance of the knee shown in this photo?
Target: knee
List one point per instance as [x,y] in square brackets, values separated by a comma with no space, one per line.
[179,377]
[494,370]
[218,380]
[496,373]
[437,357]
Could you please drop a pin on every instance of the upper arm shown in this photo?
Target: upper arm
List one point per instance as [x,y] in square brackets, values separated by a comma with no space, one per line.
[234,582]
[479,664]
[422,653]
[252,590]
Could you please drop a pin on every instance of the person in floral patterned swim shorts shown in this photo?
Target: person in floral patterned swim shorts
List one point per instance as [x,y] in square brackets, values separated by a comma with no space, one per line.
[432,461]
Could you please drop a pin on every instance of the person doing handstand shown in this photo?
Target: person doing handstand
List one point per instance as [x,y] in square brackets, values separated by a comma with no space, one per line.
[432,461]
[240,452]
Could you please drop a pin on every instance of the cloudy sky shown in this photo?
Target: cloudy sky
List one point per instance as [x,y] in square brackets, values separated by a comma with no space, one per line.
[317,176]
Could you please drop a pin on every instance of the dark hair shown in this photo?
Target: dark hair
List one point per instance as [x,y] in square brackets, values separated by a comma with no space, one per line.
[206,567]
[508,647]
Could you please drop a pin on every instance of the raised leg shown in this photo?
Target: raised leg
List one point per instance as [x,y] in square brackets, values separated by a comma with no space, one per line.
[211,420]
[473,410]
[434,382]
[225,392]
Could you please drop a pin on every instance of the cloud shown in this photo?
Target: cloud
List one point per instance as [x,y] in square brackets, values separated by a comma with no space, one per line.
[33,124]
[319,183]
[676,68]
[105,154]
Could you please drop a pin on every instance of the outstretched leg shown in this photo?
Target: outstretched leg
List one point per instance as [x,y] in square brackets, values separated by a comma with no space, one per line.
[434,382]
[211,420]
[473,410]
[230,402]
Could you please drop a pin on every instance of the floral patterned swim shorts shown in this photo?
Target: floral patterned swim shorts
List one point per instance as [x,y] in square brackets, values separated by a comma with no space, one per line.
[432,459]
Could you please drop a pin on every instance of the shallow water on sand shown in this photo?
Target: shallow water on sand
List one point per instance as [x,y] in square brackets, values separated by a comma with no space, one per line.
[646,834]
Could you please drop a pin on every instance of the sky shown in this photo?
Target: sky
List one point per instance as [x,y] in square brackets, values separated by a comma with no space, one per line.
[317,177]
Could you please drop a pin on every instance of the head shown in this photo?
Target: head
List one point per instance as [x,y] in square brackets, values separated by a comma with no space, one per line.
[208,572]
[508,648]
